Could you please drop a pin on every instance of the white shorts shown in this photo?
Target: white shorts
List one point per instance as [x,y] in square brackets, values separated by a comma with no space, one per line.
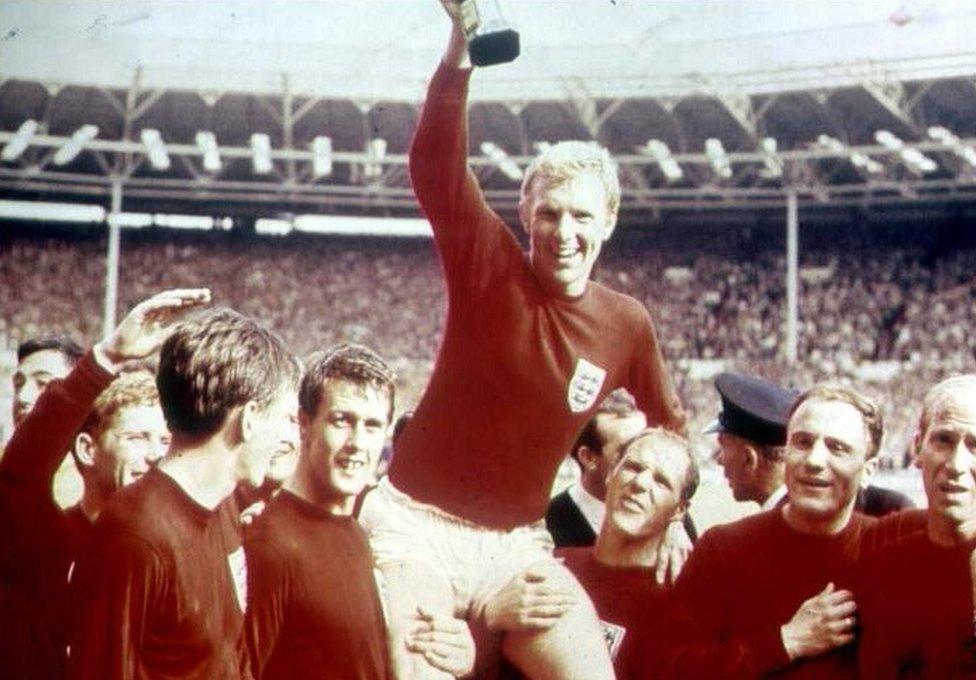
[476,561]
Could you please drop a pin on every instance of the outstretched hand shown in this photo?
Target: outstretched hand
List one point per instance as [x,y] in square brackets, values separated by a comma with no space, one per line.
[444,641]
[144,329]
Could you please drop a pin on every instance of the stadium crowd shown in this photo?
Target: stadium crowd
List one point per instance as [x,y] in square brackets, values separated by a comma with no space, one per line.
[877,304]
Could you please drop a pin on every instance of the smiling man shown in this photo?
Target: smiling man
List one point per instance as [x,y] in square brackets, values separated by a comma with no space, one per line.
[770,593]
[918,597]
[531,346]
[313,606]
[124,435]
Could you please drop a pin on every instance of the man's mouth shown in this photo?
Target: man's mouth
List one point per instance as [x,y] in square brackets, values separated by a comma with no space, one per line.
[351,465]
[814,483]
[632,504]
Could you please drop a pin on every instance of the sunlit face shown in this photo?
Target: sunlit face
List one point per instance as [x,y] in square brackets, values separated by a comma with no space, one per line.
[272,436]
[614,431]
[733,456]
[134,439]
[567,224]
[946,452]
[33,375]
[826,453]
[644,490]
[342,442]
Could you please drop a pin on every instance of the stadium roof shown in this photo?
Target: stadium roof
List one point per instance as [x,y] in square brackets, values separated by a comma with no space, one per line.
[384,49]
[297,106]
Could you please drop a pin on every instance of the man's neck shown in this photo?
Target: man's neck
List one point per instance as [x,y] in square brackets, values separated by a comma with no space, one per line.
[950,535]
[304,485]
[92,501]
[616,550]
[205,472]
[818,526]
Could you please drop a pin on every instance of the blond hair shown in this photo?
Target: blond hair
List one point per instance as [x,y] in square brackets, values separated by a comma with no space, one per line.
[129,389]
[566,160]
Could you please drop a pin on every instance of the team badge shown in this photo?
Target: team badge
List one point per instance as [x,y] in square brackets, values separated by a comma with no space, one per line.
[584,386]
[237,562]
[613,635]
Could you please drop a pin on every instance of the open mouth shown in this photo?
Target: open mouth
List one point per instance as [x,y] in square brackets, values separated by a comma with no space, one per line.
[350,465]
[632,504]
[953,491]
[814,483]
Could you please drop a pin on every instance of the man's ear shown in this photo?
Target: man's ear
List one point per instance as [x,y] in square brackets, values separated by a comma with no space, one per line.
[611,225]
[525,213]
[304,422]
[870,467]
[84,450]
[916,448]
[752,457]
[247,418]
[587,457]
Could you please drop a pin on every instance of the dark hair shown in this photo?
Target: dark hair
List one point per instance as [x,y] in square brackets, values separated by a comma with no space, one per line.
[692,476]
[618,403]
[869,410]
[215,362]
[349,362]
[71,350]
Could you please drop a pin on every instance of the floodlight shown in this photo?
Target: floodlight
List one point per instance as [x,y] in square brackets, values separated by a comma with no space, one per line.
[52,212]
[502,160]
[16,146]
[717,157]
[857,159]
[207,142]
[71,148]
[774,166]
[261,153]
[201,222]
[322,157]
[155,148]
[953,143]
[130,220]
[660,152]
[272,227]
[913,159]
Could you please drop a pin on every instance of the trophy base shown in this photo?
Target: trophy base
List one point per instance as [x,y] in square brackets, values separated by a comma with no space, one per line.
[497,47]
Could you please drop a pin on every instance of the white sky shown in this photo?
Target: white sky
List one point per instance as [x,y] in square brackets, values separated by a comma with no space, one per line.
[386,48]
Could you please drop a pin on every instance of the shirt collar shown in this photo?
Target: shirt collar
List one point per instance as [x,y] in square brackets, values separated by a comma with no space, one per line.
[774,498]
[591,506]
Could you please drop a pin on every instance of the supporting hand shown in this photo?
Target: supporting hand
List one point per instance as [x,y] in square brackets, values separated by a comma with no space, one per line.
[532,600]
[444,641]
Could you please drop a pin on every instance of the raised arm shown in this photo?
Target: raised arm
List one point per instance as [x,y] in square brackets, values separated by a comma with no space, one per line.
[40,442]
[446,189]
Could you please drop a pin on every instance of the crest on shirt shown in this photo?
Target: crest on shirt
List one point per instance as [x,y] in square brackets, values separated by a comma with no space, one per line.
[613,635]
[584,386]
[237,562]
